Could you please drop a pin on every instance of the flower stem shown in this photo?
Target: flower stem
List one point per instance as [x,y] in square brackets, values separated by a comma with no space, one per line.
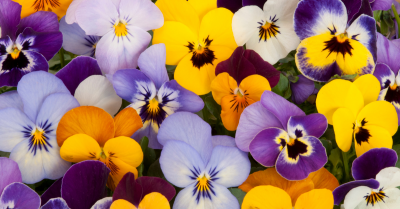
[346,167]
[62,61]
[206,113]
[396,16]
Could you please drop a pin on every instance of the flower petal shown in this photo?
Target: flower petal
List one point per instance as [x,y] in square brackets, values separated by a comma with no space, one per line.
[188,101]
[311,125]
[389,178]
[223,85]
[122,204]
[202,7]
[378,137]
[125,149]
[323,179]
[233,5]
[356,196]
[254,86]
[118,169]
[380,113]
[245,23]
[10,18]
[385,75]
[84,184]
[302,89]
[232,108]
[54,191]
[254,119]
[70,15]
[11,99]
[19,195]
[58,203]
[340,192]
[343,121]
[39,21]
[381,5]
[363,29]
[10,173]
[388,53]
[104,203]
[315,199]
[267,197]
[223,140]
[369,87]
[154,200]
[189,128]
[152,63]
[128,189]
[155,184]
[127,122]
[142,14]
[80,147]
[180,163]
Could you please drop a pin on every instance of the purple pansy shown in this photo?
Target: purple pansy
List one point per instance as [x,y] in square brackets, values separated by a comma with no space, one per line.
[376,181]
[189,161]
[387,72]
[302,89]
[25,44]
[278,133]
[152,94]
[13,193]
[81,187]
[235,5]
[28,130]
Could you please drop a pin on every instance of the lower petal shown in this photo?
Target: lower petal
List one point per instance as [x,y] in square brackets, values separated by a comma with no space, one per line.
[380,113]
[378,137]
[343,120]
[125,149]
[188,101]
[356,197]
[315,199]
[53,165]
[9,171]
[104,203]
[340,193]
[11,99]
[264,197]
[154,200]
[58,203]
[122,204]
[118,169]
[80,147]
[302,89]
[18,195]
[232,108]
[385,75]
[150,132]
[254,86]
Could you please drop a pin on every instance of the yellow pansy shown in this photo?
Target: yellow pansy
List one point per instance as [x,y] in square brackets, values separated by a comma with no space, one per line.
[153,200]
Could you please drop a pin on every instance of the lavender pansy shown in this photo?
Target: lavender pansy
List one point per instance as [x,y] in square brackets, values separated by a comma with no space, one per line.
[123,28]
[188,160]
[151,93]
[302,89]
[30,134]
[25,45]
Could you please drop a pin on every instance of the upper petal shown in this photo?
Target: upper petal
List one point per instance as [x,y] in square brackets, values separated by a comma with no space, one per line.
[39,21]
[245,23]
[19,195]
[155,184]
[152,63]
[369,88]
[385,75]
[104,203]
[311,125]
[54,191]
[323,179]
[141,13]
[340,192]
[127,122]
[11,99]
[10,16]
[128,189]
[202,7]
[389,178]
[388,53]
[9,171]
[223,140]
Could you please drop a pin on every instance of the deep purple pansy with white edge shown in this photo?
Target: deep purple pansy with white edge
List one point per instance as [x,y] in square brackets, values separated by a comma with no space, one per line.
[278,133]
[376,182]
[190,161]
[30,133]
[123,28]
[25,44]
[387,72]
[82,186]
[83,78]
[152,94]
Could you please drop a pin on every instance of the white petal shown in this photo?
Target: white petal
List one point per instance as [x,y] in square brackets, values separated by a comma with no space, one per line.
[271,50]
[141,13]
[70,16]
[356,196]
[11,99]
[287,37]
[283,9]
[389,177]
[398,78]
[245,23]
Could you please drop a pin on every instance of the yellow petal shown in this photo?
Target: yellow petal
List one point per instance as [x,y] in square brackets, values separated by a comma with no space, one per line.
[379,137]
[271,177]
[92,121]
[343,121]
[315,199]
[203,6]
[125,149]
[118,170]
[232,107]
[354,100]
[80,147]
[223,85]
[122,204]
[127,122]
[176,37]
[369,87]
[180,11]
[323,179]
[217,26]
[154,200]
[29,7]
[254,86]
[267,197]
[382,114]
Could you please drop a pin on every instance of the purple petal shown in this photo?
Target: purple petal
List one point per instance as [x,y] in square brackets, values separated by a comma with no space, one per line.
[10,16]
[385,75]
[280,107]
[223,140]
[233,5]
[11,99]
[78,70]
[155,184]
[129,190]
[381,4]
[263,68]
[364,28]
[310,125]
[128,84]
[188,101]
[85,183]
[47,44]
[355,8]
[53,191]
[18,195]
[254,119]
[298,168]
[340,192]
[9,173]
[152,63]
[259,3]
[267,145]
[368,165]
[56,203]
[388,53]
[148,131]
[302,89]
[104,203]
[39,21]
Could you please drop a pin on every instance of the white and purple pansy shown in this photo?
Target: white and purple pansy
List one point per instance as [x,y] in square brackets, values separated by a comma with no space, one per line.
[376,182]
[25,44]
[190,160]
[30,133]
[283,136]
[152,94]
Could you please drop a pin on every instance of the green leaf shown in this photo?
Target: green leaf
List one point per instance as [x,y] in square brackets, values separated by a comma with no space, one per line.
[143,144]
[349,77]
[397,149]
[155,170]
[213,107]
[4,154]
[377,15]
[384,28]
[282,86]
[171,71]
[396,137]
[337,164]
[387,17]
[327,144]
[238,193]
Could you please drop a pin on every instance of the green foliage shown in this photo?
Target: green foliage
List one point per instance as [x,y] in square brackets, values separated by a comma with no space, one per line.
[238,193]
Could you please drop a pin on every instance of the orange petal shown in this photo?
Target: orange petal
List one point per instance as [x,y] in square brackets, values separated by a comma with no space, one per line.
[122,204]
[271,177]
[232,108]
[323,179]
[254,86]
[127,122]
[223,85]
[92,121]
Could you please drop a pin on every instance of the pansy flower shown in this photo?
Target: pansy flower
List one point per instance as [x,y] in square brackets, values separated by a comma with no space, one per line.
[81,187]
[189,161]
[195,43]
[240,82]
[13,193]
[235,5]
[265,197]
[144,192]
[25,44]
[286,137]
[332,44]
[152,94]
[387,72]
[123,28]
[269,32]
[83,78]
[90,133]
[376,182]
[59,7]
[353,111]
[30,134]
[302,89]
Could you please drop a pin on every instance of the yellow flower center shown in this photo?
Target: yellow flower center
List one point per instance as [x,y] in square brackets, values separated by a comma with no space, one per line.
[203,184]
[291,141]
[375,197]
[120,29]
[342,37]
[153,106]
[15,53]
[268,30]
[38,137]
[393,87]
